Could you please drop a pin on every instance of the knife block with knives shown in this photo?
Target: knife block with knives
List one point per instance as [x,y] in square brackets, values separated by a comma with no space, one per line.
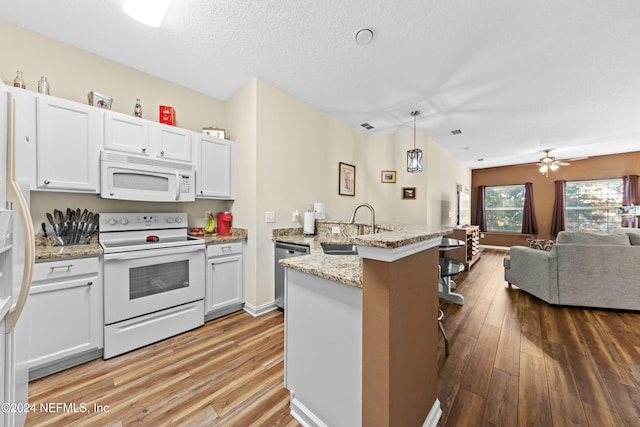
[73,228]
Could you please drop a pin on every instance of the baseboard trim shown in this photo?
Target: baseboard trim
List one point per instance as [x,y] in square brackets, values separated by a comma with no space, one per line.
[261,309]
[303,415]
[503,248]
[434,415]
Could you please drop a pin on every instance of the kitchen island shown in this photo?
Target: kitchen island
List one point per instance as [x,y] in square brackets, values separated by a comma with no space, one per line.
[361,331]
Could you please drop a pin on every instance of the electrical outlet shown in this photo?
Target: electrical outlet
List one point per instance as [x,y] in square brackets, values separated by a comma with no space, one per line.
[482,235]
[269,216]
[335,230]
[294,216]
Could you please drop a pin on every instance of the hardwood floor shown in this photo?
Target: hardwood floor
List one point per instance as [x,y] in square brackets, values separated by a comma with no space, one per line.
[228,372]
[515,361]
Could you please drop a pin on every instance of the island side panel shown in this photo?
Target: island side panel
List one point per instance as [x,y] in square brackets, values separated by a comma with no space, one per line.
[323,350]
[400,338]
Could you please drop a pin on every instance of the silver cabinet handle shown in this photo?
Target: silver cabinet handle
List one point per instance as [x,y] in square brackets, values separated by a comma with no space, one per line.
[68,267]
[89,283]
[47,182]
[144,150]
[162,153]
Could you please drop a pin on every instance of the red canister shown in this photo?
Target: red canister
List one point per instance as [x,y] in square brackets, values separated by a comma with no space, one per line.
[224,223]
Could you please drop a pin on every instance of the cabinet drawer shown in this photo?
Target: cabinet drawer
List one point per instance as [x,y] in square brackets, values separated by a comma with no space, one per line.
[65,268]
[224,249]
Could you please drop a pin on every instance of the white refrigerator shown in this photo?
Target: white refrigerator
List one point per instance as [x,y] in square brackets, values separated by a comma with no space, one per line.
[17,257]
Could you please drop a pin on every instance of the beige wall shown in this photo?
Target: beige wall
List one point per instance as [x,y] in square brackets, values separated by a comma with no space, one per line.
[287,150]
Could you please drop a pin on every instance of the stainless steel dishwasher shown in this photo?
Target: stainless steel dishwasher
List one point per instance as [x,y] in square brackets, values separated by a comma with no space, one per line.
[283,251]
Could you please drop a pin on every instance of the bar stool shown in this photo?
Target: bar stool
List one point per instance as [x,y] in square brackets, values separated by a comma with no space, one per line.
[444,335]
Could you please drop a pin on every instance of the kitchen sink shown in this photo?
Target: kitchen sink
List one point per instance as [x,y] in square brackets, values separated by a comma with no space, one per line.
[339,249]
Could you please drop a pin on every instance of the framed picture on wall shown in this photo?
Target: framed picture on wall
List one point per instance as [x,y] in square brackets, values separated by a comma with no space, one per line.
[346,179]
[388,177]
[408,193]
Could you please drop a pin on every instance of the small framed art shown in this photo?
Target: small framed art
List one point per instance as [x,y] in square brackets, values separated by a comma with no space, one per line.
[346,179]
[408,193]
[388,177]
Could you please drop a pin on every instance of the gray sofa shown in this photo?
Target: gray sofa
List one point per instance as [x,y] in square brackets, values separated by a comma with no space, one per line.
[582,269]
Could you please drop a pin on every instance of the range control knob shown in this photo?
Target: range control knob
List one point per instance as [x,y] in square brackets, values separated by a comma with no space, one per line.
[112,221]
[169,220]
[124,221]
[178,219]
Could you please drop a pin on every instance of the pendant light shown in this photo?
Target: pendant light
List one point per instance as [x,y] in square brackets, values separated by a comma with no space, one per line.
[414,157]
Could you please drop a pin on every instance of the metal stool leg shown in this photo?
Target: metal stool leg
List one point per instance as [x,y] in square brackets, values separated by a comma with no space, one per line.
[444,335]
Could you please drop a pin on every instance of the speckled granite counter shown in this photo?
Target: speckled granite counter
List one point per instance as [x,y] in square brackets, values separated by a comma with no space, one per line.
[46,251]
[347,269]
[237,235]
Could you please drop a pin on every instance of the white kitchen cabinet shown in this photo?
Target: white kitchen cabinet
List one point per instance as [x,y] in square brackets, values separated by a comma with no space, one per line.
[69,135]
[25,134]
[215,168]
[126,133]
[130,134]
[65,316]
[172,143]
[224,279]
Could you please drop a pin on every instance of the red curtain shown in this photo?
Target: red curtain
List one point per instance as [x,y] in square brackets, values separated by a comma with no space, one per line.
[480,217]
[557,223]
[630,195]
[529,223]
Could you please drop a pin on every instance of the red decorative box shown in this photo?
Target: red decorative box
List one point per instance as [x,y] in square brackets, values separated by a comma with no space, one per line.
[167,115]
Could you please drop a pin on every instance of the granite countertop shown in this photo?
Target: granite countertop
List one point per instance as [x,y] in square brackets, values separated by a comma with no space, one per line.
[45,250]
[347,269]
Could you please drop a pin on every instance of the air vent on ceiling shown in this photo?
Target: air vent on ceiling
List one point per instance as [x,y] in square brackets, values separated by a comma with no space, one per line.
[456,132]
[367,126]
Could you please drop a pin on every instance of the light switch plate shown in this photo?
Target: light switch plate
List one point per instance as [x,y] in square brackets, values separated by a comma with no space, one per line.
[335,230]
[269,216]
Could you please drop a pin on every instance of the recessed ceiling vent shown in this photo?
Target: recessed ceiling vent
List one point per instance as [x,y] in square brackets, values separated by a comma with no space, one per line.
[456,132]
[367,126]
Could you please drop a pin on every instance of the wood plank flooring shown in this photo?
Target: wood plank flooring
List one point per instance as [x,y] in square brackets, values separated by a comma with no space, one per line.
[229,372]
[515,361]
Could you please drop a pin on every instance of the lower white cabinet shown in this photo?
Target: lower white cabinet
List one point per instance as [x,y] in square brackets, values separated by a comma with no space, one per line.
[65,316]
[225,285]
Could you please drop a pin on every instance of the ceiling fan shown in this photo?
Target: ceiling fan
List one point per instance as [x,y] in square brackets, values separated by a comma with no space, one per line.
[549,163]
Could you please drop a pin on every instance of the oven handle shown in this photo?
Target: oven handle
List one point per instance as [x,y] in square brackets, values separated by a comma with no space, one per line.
[151,253]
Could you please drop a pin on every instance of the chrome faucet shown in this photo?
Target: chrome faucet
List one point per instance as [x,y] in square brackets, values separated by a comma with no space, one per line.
[373,216]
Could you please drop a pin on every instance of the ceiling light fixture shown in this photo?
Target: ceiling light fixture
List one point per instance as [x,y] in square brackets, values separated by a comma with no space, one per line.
[148,12]
[549,163]
[414,157]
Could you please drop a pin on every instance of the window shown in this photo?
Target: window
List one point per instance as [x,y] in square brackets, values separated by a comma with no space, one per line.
[503,207]
[591,205]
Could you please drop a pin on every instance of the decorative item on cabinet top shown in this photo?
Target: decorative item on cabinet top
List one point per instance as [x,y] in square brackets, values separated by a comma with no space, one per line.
[73,228]
[99,100]
[215,131]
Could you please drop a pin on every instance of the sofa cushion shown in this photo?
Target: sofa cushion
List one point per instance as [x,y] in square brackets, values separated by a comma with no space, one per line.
[580,238]
[541,244]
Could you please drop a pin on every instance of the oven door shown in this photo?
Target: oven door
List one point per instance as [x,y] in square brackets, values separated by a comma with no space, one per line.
[142,282]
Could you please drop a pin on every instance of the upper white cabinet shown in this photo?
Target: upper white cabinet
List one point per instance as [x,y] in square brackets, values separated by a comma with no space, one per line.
[131,134]
[215,168]
[68,137]
[126,133]
[25,135]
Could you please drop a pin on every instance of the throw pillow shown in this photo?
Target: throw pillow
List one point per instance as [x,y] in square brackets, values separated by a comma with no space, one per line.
[542,244]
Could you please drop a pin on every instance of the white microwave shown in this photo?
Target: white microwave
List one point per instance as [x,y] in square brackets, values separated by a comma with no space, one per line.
[129,177]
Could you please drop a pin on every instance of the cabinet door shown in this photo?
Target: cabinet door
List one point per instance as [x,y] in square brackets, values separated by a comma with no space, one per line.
[126,133]
[65,319]
[215,168]
[68,137]
[224,282]
[25,134]
[172,143]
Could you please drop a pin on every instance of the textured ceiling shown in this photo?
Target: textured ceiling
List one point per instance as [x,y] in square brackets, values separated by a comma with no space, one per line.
[516,76]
